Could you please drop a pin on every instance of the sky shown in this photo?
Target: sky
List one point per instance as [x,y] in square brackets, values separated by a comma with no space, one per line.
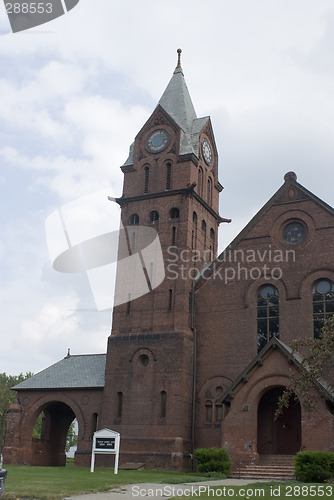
[75,92]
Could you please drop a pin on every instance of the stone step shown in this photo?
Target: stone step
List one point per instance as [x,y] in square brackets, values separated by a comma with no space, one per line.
[276,476]
[269,468]
[277,459]
[275,472]
[264,478]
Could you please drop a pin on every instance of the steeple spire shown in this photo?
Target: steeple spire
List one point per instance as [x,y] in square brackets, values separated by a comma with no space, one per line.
[178,67]
[177,103]
[179,51]
[176,99]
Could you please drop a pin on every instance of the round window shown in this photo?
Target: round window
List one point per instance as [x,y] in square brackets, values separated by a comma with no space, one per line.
[144,360]
[323,286]
[268,291]
[294,232]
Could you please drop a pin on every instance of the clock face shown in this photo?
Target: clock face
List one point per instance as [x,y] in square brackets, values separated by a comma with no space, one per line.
[157,141]
[207,153]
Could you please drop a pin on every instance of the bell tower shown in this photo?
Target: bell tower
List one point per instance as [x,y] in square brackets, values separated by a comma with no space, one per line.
[170,186]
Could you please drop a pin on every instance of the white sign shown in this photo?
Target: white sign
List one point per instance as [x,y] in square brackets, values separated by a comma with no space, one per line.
[105,442]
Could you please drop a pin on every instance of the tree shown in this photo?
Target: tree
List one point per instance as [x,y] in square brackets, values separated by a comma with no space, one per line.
[71,439]
[37,430]
[317,365]
[7,397]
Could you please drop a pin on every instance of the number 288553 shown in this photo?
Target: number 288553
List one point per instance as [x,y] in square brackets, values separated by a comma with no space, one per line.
[29,8]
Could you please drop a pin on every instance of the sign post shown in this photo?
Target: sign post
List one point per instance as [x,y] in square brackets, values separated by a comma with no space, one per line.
[106,442]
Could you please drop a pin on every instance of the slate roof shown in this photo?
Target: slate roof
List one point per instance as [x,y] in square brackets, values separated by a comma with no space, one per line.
[177,103]
[72,372]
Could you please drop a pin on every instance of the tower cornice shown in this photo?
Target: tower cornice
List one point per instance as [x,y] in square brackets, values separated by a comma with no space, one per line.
[188,191]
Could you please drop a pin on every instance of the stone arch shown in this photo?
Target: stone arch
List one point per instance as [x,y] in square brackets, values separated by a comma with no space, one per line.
[210,394]
[142,352]
[251,290]
[259,387]
[282,219]
[59,412]
[210,386]
[306,295]
[272,437]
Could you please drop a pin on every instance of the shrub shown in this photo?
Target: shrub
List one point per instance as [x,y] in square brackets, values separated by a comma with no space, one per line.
[314,466]
[213,460]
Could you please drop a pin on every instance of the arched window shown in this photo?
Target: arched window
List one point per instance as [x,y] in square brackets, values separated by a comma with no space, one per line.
[119,405]
[218,412]
[163,404]
[151,274]
[203,227]
[209,191]
[128,304]
[134,220]
[200,181]
[212,243]
[174,213]
[168,176]
[208,412]
[154,216]
[170,299]
[194,232]
[173,235]
[323,303]
[133,241]
[267,315]
[146,179]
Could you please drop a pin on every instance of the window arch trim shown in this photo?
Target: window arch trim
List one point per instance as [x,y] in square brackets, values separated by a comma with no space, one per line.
[322,303]
[267,313]
[174,213]
[168,179]
[154,217]
[134,220]
[146,179]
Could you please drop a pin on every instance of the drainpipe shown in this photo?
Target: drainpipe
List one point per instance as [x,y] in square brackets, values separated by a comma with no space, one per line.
[192,326]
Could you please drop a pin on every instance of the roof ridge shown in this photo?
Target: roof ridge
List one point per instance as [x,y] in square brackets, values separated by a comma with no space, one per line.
[91,354]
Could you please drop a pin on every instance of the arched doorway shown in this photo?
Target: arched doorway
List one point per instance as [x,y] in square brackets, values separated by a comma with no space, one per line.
[49,449]
[281,436]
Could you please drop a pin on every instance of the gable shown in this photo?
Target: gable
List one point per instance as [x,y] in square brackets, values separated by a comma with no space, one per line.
[275,360]
[291,203]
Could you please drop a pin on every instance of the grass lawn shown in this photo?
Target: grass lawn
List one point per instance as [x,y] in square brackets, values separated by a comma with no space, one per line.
[55,483]
[58,482]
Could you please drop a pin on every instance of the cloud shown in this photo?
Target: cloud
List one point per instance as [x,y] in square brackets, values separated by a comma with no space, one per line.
[319,58]
[90,135]
[76,92]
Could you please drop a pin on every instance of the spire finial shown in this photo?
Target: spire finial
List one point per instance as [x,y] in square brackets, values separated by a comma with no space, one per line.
[179,52]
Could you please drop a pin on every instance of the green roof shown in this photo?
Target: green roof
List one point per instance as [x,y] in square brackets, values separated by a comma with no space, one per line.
[72,372]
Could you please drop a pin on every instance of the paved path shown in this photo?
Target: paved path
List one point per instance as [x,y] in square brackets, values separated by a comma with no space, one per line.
[161,491]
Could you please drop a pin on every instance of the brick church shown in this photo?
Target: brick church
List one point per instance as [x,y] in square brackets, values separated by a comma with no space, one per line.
[200,359]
